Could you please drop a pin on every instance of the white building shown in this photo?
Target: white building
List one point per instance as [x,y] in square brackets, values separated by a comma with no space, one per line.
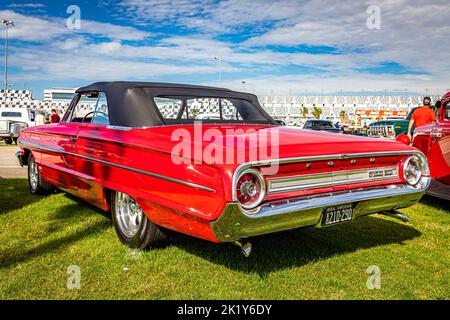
[63,95]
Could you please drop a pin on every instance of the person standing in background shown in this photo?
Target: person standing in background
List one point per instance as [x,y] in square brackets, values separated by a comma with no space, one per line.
[422,116]
[40,119]
[440,109]
[60,113]
[54,118]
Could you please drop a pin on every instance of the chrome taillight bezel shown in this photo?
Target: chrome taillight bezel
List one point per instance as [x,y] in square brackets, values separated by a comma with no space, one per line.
[422,165]
[257,174]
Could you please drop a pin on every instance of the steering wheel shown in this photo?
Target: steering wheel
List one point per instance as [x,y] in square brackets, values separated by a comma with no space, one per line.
[93,112]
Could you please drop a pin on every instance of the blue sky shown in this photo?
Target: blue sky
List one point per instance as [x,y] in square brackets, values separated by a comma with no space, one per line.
[275,47]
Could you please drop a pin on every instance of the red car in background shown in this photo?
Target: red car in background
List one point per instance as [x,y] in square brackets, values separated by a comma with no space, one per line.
[118,147]
[434,141]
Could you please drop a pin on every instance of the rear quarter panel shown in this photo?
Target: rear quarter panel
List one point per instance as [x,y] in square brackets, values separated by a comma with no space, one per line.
[168,204]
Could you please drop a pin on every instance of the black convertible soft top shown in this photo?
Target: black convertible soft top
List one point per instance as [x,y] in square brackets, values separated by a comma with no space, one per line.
[126,99]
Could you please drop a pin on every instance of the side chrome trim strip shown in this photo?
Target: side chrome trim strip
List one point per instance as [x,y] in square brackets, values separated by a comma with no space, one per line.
[344,156]
[121,128]
[148,173]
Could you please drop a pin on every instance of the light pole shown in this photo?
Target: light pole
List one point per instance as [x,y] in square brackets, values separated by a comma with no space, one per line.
[8,24]
[220,67]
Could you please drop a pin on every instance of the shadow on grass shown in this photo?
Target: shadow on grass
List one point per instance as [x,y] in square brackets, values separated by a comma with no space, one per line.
[15,195]
[301,246]
[71,213]
[437,203]
[80,204]
[68,214]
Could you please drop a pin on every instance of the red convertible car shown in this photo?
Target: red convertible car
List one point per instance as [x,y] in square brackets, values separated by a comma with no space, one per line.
[143,152]
[434,141]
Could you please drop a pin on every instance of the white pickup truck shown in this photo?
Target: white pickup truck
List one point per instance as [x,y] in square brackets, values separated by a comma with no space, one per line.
[13,120]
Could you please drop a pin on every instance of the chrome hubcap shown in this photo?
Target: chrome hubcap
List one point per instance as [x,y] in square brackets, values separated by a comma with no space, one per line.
[129,214]
[34,175]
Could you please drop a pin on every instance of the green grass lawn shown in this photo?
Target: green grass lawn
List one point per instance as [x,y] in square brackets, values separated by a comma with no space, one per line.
[41,236]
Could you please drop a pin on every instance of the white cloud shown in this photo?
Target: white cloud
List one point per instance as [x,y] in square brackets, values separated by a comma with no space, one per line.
[414,34]
[81,61]
[112,31]
[209,15]
[30,28]
[26,5]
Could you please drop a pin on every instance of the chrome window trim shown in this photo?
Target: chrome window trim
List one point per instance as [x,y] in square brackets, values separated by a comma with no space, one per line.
[344,156]
[121,128]
[337,178]
[148,173]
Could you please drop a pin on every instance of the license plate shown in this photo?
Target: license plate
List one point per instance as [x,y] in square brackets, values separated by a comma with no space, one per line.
[337,214]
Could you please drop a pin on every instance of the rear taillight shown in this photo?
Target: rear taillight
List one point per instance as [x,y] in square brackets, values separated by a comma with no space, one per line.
[414,168]
[250,189]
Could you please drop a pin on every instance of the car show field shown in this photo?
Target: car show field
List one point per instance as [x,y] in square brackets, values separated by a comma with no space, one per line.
[42,236]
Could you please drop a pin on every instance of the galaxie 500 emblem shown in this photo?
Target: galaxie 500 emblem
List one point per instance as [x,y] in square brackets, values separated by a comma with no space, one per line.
[382,173]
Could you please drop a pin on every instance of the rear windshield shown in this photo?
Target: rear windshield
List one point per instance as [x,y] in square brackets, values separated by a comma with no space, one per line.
[11,114]
[186,109]
[323,125]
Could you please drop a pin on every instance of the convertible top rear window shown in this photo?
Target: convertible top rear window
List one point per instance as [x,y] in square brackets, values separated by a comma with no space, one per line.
[159,109]
[186,109]
[147,104]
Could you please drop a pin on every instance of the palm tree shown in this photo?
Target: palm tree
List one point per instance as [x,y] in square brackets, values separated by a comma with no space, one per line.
[304,111]
[317,112]
[195,112]
[342,116]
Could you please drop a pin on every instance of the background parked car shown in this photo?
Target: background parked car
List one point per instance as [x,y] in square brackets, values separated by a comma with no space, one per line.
[434,141]
[12,121]
[321,125]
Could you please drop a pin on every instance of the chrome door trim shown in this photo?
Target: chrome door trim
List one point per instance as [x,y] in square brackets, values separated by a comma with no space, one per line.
[43,147]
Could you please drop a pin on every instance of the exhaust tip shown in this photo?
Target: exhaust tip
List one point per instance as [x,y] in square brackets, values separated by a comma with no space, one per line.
[246,248]
[397,215]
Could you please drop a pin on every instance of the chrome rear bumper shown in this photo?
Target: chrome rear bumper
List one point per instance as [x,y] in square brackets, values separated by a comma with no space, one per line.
[234,223]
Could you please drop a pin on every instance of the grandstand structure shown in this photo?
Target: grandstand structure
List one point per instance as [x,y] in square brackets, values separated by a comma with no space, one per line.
[24,99]
[290,108]
[287,108]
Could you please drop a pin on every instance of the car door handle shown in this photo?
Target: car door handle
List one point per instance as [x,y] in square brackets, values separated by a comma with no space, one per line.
[73,139]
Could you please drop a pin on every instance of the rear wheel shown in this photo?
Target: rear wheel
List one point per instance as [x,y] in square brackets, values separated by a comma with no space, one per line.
[8,141]
[132,225]
[35,181]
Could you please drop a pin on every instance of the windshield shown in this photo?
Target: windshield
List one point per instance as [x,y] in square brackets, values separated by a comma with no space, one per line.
[186,109]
